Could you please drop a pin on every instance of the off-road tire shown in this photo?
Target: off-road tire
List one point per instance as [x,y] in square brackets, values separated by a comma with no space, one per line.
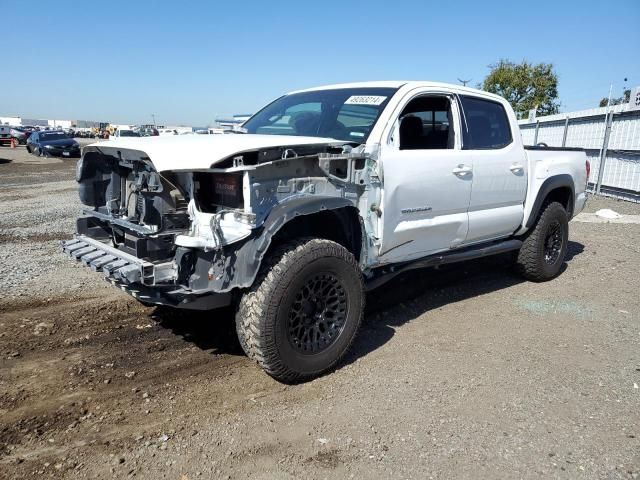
[263,316]
[531,262]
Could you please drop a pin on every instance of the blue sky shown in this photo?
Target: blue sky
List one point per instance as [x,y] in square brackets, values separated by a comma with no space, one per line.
[188,62]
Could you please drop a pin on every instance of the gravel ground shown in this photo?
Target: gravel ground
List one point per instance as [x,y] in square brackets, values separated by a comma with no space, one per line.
[463,372]
[621,206]
[38,207]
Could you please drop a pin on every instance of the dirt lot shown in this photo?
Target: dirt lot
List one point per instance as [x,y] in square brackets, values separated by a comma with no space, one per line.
[465,372]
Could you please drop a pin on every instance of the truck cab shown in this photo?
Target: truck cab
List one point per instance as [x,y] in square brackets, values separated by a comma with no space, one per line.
[454,172]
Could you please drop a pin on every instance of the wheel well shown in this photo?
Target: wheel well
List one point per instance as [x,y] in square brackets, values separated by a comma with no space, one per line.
[558,188]
[562,195]
[342,225]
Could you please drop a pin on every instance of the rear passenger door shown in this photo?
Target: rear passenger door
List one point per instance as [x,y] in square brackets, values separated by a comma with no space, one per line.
[499,163]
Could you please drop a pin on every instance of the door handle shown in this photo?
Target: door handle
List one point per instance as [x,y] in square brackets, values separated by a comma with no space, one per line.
[462,170]
[516,167]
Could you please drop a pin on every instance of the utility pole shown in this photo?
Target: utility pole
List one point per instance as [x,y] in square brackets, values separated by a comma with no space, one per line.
[624,88]
[464,82]
[154,119]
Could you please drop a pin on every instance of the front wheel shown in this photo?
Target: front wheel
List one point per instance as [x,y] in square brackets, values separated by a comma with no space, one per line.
[303,311]
[542,254]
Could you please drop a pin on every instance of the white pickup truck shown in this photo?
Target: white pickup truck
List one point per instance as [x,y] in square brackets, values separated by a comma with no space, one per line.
[320,196]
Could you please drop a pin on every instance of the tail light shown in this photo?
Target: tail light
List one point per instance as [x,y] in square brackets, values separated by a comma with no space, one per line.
[587,165]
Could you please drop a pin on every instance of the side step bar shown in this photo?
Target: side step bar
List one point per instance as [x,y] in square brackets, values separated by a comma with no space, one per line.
[383,275]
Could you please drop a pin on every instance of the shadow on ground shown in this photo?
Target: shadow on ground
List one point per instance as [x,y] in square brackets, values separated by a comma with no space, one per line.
[399,301]
[214,330]
[573,249]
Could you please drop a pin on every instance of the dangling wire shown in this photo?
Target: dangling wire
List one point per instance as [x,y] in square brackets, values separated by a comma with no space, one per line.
[216,229]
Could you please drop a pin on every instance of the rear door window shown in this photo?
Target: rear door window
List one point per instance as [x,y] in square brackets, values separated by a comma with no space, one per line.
[486,124]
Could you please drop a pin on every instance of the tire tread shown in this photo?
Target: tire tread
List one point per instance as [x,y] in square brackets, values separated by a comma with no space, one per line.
[529,262]
[255,333]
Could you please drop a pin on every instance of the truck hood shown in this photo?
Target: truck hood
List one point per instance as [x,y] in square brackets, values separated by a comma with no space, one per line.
[201,152]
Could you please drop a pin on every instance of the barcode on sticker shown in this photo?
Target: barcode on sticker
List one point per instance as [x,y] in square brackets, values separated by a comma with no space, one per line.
[365,100]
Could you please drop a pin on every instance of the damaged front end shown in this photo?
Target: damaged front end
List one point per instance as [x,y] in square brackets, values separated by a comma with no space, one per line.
[189,238]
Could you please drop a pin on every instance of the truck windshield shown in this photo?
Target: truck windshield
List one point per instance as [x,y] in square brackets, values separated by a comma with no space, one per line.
[343,114]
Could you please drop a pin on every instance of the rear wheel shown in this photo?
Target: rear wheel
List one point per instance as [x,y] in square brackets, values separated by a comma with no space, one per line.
[303,311]
[542,254]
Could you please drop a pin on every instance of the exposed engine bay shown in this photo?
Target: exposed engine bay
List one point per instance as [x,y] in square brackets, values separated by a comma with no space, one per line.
[172,237]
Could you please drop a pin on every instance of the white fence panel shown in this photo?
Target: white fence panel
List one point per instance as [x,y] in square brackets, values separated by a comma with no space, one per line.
[551,134]
[625,132]
[587,130]
[588,133]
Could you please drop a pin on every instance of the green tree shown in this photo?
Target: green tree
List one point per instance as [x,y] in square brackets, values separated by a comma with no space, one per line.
[616,101]
[526,86]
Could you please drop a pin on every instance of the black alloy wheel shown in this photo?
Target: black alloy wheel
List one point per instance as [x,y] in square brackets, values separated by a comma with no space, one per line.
[553,243]
[318,314]
[544,247]
[303,311]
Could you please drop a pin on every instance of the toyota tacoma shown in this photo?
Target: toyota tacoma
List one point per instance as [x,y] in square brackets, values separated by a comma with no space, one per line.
[321,196]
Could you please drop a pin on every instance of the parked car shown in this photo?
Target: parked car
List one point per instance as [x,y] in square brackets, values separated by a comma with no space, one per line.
[321,196]
[5,135]
[20,135]
[52,143]
[86,133]
[148,132]
[124,133]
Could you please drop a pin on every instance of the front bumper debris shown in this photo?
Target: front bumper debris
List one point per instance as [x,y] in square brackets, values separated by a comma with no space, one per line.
[115,264]
[150,283]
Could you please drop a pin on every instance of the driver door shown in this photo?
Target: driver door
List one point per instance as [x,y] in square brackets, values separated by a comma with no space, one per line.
[427,177]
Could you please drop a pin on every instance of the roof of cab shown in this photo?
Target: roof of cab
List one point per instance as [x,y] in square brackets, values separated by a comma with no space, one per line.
[379,84]
[398,84]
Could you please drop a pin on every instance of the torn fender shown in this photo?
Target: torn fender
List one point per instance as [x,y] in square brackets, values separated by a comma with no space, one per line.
[237,265]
